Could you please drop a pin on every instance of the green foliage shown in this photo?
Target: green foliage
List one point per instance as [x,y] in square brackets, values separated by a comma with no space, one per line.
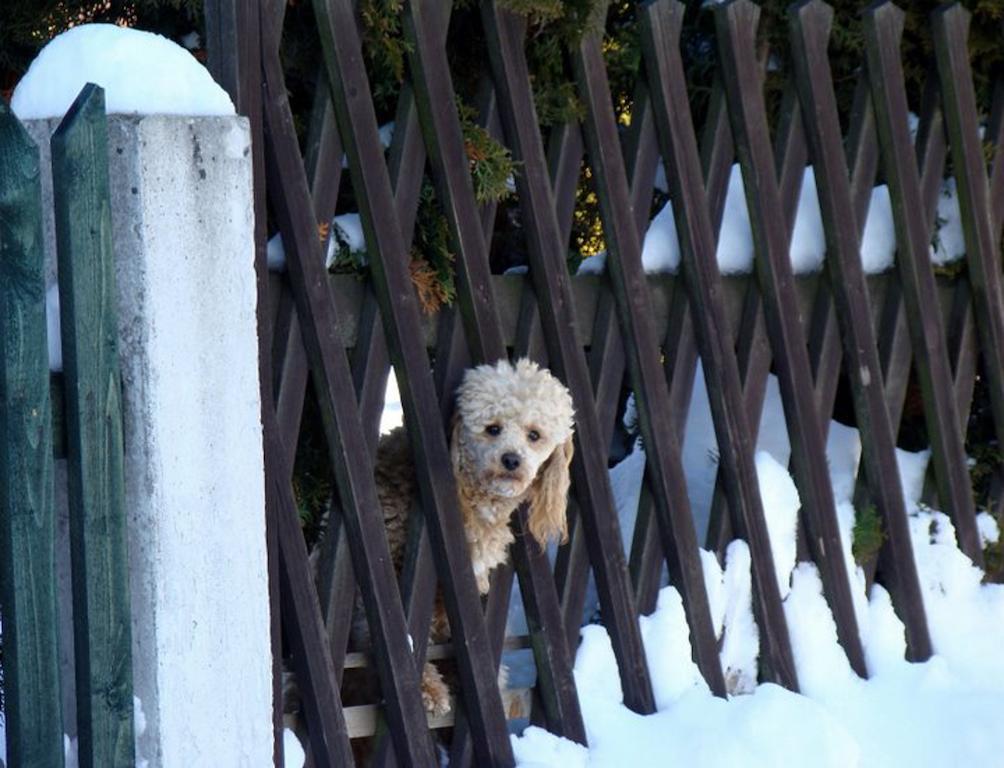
[491,163]
[868,536]
[313,485]
[431,249]
[587,225]
[847,46]
[623,57]
[384,49]
[537,11]
[554,26]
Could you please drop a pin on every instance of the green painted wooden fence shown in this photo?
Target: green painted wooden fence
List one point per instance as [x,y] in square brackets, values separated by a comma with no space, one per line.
[93,449]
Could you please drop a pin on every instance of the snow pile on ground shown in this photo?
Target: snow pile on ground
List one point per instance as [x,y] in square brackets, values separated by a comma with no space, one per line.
[661,247]
[941,712]
[142,73]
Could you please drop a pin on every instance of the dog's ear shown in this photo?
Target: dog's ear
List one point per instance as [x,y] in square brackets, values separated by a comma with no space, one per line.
[549,496]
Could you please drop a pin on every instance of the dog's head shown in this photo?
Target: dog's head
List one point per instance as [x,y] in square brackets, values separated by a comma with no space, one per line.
[512,439]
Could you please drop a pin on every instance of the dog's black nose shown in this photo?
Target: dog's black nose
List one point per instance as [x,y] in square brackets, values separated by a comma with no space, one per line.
[510,461]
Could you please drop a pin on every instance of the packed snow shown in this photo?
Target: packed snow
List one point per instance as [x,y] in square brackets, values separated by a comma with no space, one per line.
[938,713]
[141,72]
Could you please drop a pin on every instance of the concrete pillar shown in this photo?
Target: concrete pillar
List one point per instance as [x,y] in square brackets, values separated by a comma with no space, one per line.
[183,231]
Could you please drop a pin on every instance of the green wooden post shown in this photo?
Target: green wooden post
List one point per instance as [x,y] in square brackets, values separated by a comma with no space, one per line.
[27,535]
[99,559]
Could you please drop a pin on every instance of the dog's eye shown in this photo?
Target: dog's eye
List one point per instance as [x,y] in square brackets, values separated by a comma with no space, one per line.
[494,430]
[533,435]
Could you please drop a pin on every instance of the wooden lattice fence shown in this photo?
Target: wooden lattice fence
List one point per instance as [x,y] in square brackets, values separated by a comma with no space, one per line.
[594,333]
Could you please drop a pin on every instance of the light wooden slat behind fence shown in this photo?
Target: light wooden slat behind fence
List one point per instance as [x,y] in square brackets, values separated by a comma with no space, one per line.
[27,535]
[102,618]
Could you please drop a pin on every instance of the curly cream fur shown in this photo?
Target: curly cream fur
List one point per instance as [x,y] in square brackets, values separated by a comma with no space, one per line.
[519,411]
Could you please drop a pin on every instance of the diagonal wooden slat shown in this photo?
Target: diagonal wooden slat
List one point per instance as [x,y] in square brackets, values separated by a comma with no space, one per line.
[606,368]
[810,29]
[895,350]
[995,132]
[752,340]
[332,381]
[400,315]
[734,22]
[433,84]
[418,580]
[304,629]
[883,30]
[951,27]
[662,22]
[505,33]
[662,448]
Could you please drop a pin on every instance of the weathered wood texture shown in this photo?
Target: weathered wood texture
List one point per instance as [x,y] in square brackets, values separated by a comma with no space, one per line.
[623,329]
[98,549]
[27,543]
[810,30]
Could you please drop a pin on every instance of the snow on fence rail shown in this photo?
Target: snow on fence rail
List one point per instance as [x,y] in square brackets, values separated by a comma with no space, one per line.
[594,334]
[92,426]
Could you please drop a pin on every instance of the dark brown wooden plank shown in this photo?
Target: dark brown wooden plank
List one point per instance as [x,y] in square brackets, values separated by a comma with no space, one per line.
[505,36]
[951,27]
[995,132]
[400,314]
[304,628]
[432,83]
[564,158]
[660,433]
[717,155]
[323,152]
[352,469]
[883,30]
[735,24]
[810,24]
[679,346]
[661,24]
[895,351]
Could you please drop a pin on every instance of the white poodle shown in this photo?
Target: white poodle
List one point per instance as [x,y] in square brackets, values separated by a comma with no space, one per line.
[511,442]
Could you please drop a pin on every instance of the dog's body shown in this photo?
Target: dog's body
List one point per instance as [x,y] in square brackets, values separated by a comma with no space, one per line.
[510,443]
